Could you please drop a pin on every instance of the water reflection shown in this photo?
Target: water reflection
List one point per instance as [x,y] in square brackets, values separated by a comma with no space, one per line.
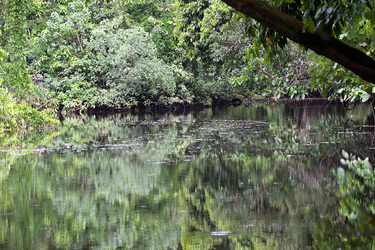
[256,177]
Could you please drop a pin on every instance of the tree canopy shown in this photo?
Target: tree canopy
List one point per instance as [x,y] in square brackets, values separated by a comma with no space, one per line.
[77,55]
[308,24]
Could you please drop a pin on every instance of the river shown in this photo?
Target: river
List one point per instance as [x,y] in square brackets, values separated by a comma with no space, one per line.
[257,176]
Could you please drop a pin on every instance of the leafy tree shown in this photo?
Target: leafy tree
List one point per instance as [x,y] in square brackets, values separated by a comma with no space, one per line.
[317,26]
[85,60]
[272,67]
[213,46]
[223,45]
[18,97]
[131,67]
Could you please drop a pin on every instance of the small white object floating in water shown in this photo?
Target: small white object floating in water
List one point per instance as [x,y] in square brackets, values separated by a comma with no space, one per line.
[221,233]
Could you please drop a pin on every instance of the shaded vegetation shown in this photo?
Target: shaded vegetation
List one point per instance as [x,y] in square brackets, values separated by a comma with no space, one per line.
[82,55]
[241,178]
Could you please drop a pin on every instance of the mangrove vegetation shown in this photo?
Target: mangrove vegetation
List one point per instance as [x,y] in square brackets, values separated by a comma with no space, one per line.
[90,157]
[76,55]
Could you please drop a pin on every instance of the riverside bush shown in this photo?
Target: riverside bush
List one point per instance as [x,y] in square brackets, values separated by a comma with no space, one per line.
[86,65]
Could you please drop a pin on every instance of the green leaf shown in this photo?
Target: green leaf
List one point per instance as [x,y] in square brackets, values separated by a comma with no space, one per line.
[311,25]
[340,175]
[365,97]
[367,164]
[340,90]
[240,14]
[234,19]
[248,54]
[345,154]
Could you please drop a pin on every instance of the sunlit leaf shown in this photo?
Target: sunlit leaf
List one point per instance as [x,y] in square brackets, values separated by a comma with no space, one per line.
[345,154]
[365,97]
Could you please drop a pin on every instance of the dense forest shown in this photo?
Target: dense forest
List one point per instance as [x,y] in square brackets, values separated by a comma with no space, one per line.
[76,55]
[257,176]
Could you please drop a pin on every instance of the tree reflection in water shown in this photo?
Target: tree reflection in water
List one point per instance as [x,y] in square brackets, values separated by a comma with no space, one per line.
[167,181]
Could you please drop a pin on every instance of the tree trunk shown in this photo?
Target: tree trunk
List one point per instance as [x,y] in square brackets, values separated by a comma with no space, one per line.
[321,43]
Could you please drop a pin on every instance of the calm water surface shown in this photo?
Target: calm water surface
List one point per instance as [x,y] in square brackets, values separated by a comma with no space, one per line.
[248,177]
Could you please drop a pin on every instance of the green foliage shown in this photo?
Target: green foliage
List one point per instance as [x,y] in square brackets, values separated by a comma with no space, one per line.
[357,187]
[213,45]
[85,61]
[197,24]
[328,16]
[13,67]
[16,89]
[156,17]
[351,22]
[333,78]
[282,76]
[135,72]
[75,93]
[13,115]
[354,227]
[232,50]
[89,54]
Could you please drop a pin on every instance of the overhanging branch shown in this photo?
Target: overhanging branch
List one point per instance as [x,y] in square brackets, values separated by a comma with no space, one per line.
[321,43]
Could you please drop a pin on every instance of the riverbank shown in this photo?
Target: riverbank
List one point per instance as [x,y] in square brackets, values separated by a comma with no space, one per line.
[184,106]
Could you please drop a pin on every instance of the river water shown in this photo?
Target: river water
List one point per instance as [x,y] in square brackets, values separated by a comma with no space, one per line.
[250,177]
